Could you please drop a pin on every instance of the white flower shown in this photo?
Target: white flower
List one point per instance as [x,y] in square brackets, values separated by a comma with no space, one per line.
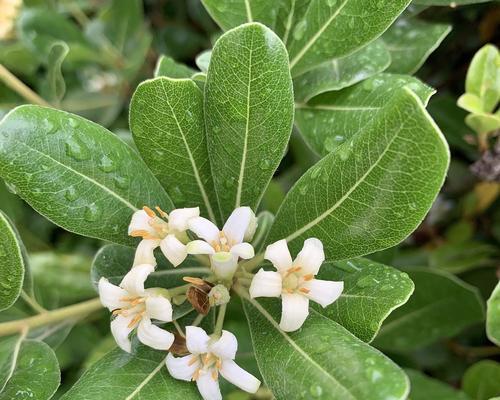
[208,358]
[134,307]
[9,10]
[295,282]
[226,246]
[166,231]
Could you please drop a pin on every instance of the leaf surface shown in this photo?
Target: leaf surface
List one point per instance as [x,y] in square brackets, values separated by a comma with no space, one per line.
[425,388]
[481,381]
[167,66]
[493,316]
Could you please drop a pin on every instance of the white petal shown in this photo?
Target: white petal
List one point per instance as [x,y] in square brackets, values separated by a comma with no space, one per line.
[311,256]
[224,264]
[120,330]
[133,282]
[266,284]
[174,250]
[110,295]
[204,229]
[178,219]
[237,224]
[208,387]
[153,336]
[158,307]
[182,368]
[140,222]
[199,247]
[279,255]
[294,311]
[226,346]
[196,340]
[239,377]
[243,250]
[252,227]
[144,254]
[323,292]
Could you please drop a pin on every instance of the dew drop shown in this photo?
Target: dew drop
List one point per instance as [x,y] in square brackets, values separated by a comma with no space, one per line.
[11,187]
[386,287]
[331,3]
[303,190]
[73,123]
[49,126]
[315,173]
[265,164]
[76,149]
[316,391]
[92,213]
[70,194]
[366,281]
[300,29]
[106,164]
[121,182]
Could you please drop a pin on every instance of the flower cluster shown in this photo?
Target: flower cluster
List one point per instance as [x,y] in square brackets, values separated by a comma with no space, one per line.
[184,232]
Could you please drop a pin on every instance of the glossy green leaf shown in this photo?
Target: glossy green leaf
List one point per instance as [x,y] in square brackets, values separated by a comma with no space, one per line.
[320,359]
[371,292]
[124,376]
[440,307]
[248,113]
[482,380]
[55,78]
[453,3]
[340,73]
[493,316]
[76,173]
[426,388]
[483,123]
[410,43]
[331,29]
[331,118]
[173,142]
[168,67]
[461,257]
[11,264]
[374,190]
[28,370]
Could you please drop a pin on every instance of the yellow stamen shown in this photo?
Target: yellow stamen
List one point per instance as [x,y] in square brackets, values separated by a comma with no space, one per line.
[193,360]
[141,233]
[308,277]
[148,211]
[304,290]
[161,212]
[292,270]
[194,281]
[196,375]
[135,320]
[218,363]
[207,358]
[215,375]
[138,301]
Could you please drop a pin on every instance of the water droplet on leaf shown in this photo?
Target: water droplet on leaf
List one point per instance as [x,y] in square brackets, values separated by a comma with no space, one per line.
[106,164]
[316,391]
[92,213]
[121,182]
[71,194]
[265,164]
[300,29]
[77,149]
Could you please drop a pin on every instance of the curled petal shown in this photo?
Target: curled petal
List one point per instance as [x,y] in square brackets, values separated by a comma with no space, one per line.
[158,307]
[208,386]
[199,247]
[266,284]
[144,253]
[204,229]
[238,223]
[174,250]
[224,264]
[323,292]
[279,255]
[133,282]
[294,311]
[226,346]
[140,222]
[110,295]
[239,377]
[120,328]
[196,340]
[243,250]
[153,336]
[178,219]
[182,368]
[311,256]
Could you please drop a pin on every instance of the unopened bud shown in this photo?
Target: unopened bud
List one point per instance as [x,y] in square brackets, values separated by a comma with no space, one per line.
[219,295]
[252,226]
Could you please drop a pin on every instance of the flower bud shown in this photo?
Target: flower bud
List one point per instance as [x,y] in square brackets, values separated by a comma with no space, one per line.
[218,295]
[252,226]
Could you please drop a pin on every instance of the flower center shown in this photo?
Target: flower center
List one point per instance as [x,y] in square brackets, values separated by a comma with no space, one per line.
[223,244]
[294,279]
[135,308]
[210,363]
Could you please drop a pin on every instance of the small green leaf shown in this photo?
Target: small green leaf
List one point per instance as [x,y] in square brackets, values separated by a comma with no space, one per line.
[120,376]
[173,142]
[203,60]
[493,316]
[350,110]
[470,102]
[75,172]
[411,42]
[55,78]
[483,123]
[340,73]
[425,388]
[482,380]
[371,292]
[320,359]
[167,66]
[248,113]
[441,306]
[374,190]
[11,264]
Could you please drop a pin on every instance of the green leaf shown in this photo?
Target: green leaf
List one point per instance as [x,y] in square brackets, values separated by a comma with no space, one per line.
[374,190]
[440,307]
[493,316]
[173,142]
[411,42]
[371,292]
[340,73]
[203,60]
[425,388]
[167,66]
[76,173]
[331,29]
[330,119]
[483,123]
[11,264]
[470,102]
[120,376]
[55,78]
[460,257]
[452,3]
[320,359]
[248,113]
[482,380]
[28,370]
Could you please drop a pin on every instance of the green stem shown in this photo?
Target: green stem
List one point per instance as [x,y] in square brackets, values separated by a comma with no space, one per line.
[179,329]
[220,319]
[20,88]
[49,317]
[254,263]
[197,320]
[178,290]
[32,303]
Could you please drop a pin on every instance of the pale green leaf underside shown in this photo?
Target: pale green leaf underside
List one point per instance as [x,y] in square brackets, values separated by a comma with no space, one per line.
[75,172]
[481,381]
[320,359]
[374,190]
[493,316]
[332,118]
[248,113]
[166,66]
[426,388]
[441,306]
[166,119]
